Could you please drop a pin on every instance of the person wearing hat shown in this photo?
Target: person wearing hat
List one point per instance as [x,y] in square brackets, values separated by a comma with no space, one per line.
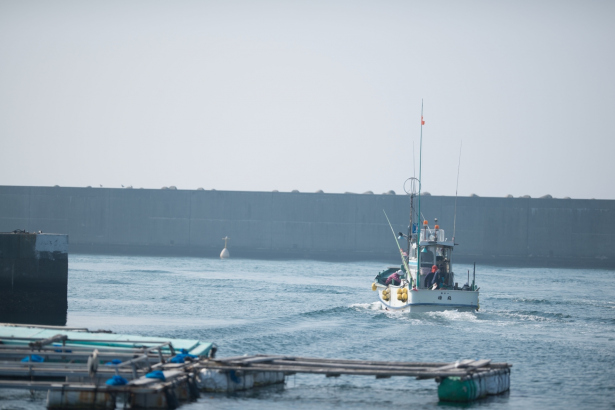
[430,278]
[394,279]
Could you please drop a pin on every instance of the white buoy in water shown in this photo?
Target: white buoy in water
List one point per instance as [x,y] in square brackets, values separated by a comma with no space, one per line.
[224,254]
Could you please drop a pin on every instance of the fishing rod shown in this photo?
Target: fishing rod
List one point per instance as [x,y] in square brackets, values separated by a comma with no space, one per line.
[401,252]
[413,162]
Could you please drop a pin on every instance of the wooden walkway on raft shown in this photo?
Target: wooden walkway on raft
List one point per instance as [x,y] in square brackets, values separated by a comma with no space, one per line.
[337,367]
[76,376]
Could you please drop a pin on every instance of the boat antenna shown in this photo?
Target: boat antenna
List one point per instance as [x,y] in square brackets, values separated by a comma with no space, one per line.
[401,253]
[413,162]
[418,260]
[456,189]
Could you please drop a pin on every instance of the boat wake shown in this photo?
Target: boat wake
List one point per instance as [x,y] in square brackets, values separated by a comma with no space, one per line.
[454,315]
[418,318]
[532,301]
[334,311]
[536,316]
[366,306]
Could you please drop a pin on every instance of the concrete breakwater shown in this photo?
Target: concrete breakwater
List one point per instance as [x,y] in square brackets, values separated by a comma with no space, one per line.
[519,231]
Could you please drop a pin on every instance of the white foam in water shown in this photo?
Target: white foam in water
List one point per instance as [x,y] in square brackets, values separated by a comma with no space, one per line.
[448,314]
[455,315]
[367,306]
[526,317]
[409,317]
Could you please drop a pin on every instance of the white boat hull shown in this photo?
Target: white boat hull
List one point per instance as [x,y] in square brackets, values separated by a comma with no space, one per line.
[424,300]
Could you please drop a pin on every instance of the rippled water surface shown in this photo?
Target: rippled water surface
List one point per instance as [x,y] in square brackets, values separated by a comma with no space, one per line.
[556,326]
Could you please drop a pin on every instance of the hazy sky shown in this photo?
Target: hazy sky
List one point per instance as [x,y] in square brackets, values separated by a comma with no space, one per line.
[263,95]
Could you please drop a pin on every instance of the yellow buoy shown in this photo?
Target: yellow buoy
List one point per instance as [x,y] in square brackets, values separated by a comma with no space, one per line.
[399,291]
[374,286]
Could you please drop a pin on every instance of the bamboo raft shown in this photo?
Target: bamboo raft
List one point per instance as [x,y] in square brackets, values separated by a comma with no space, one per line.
[158,376]
[337,367]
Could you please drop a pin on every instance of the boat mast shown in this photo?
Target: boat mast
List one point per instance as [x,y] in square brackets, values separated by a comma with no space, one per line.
[418,246]
[409,237]
[412,195]
[457,189]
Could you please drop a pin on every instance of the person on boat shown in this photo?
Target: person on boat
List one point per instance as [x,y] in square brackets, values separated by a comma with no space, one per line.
[445,276]
[429,279]
[438,279]
[435,278]
[394,279]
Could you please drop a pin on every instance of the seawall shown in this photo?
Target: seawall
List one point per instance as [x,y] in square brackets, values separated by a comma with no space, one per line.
[517,231]
[33,278]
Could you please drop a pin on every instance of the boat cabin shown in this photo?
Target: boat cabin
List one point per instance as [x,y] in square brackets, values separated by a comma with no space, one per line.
[435,249]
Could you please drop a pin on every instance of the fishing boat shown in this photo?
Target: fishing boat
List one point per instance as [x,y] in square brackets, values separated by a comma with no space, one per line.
[425,281]
[428,291]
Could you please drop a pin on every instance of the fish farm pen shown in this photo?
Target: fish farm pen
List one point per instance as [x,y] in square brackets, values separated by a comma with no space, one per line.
[101,370]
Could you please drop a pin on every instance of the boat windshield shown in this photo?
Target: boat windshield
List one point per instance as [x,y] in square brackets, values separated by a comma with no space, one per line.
[443,258]
[436,255]
[428,234]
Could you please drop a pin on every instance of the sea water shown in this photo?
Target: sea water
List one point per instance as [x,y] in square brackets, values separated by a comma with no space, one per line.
[555,326]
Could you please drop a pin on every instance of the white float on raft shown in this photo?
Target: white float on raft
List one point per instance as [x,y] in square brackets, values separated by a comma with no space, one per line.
[211,380]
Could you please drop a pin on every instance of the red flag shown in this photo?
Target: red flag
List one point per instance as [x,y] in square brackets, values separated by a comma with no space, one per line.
[422,120]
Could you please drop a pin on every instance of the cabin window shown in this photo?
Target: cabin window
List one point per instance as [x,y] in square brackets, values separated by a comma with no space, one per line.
[443,258]
[427,257]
